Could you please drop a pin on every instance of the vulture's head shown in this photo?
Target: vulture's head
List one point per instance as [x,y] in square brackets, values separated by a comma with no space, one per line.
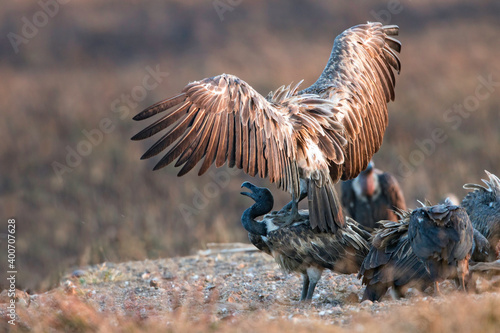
[261,195]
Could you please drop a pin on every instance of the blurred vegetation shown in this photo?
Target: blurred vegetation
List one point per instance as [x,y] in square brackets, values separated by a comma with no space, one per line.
[59,312]
[112,207]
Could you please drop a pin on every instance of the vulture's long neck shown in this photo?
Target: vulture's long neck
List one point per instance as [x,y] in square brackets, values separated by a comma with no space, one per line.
[249,215]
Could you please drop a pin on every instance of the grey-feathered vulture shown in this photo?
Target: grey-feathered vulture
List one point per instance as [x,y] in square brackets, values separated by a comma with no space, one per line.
[321,134]
[483,207]
[441,237]
[372,196]
[391,261]
[298,247]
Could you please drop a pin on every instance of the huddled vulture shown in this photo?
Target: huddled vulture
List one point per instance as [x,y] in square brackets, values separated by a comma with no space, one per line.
[372,196]
[298,247]
[441,237]
[483,207]
[324,133]
[391,261]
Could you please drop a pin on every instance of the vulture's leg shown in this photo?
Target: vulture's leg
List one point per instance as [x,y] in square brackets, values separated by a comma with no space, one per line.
[314,276]
[293,215]
[291,204]
[436,289]
[305,286]
[463,270]
[291,209]
[397,292]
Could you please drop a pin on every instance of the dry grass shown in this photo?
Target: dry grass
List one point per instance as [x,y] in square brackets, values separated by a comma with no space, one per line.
[112,207]
[71,313]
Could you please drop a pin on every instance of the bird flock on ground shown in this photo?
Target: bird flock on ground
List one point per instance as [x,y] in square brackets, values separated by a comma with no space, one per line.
[307,140]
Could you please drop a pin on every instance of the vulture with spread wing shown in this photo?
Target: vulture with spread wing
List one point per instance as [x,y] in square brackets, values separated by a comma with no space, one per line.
[321,134]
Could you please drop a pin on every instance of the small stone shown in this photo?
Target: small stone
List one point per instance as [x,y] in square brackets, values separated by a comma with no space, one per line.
[352,298]
[168,276]
[352,288]
[78,273]
[69,287]
[366,303]
[154,283]
[337,310]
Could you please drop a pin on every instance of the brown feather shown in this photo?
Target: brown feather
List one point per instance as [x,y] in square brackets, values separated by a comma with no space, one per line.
[187,152]
[231,142]
[223,141]
[238,142]
[201,149]
[212,145]
[252,155]
[245,149]
[160,107]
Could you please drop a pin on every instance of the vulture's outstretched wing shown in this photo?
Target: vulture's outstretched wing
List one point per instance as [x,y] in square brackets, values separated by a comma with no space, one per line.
[360,81]
[326,132]
[223,119]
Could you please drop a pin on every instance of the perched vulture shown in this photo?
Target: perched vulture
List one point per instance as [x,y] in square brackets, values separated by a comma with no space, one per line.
[483,207]
[321,134]
[298,247]
[441,237]
[372,196]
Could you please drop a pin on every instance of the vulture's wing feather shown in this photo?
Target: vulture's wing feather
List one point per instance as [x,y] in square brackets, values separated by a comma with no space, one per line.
[359,79]
[222,118]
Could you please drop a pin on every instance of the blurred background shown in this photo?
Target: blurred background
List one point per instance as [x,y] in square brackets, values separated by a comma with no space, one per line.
[75,72]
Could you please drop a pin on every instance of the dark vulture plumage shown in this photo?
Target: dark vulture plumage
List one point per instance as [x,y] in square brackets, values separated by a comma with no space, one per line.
[391,261]
[441,237]
[372,196]
[298,247]
[481,249]
[321,134]
[483,207]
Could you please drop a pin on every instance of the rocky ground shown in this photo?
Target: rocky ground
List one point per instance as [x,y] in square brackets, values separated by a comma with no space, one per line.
[222,284]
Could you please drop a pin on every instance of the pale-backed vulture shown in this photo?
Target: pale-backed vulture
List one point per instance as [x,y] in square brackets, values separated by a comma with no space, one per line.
[321,134]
